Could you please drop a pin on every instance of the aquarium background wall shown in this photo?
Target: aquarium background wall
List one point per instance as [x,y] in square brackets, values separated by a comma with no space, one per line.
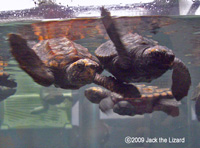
[76,122]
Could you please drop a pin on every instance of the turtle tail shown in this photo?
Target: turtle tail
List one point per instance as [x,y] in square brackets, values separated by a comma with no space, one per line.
[181,79]
[29,61]
[112,32]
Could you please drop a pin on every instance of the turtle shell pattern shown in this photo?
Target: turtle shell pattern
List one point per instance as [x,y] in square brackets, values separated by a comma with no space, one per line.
[60,52]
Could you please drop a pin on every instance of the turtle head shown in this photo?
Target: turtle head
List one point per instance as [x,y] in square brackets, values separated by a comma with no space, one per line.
[159,56]
[82,72]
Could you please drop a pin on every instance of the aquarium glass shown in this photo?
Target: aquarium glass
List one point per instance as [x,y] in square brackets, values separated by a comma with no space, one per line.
[34,116]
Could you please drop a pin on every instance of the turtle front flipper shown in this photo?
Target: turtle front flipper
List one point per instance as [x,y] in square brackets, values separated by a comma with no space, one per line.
[112,84]
[181,79]
[124,60]
[29,61]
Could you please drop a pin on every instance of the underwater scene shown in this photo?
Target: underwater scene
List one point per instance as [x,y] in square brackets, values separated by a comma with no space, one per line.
[63,84]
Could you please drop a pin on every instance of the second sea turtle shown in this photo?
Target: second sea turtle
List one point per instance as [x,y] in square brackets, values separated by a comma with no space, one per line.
[133,58]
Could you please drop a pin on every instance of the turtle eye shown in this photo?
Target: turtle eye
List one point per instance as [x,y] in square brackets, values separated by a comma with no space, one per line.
[93,66]
[80,65]
[156,54]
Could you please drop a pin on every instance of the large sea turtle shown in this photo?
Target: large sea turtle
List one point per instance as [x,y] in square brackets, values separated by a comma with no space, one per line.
[152,99]
[65,64]
[133,58]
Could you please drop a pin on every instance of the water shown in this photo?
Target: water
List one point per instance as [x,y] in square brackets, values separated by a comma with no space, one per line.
[76,122]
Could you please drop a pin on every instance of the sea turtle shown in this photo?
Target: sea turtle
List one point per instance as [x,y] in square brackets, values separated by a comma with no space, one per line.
[65,64]
[133,58]
[7,86]
[152,99]
[49,96]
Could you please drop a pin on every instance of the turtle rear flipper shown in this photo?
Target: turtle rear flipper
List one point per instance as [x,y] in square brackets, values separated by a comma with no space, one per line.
[124,108]
[181,79]
[169,106]
[124,60]
[106,105]
[29,61]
